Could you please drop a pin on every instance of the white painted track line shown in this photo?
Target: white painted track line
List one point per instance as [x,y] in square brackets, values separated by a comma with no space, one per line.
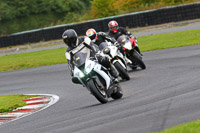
[39,103]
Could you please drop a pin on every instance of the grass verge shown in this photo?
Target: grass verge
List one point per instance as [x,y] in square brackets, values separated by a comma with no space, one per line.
[169,40]
[32,59]
[11,102]
[191,127]
[56,56]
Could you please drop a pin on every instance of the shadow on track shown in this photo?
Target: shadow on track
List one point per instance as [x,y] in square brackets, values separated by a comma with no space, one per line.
[135,70]
[99,104]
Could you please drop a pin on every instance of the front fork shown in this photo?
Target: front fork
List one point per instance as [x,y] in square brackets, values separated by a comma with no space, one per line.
[122,63]
[128,54]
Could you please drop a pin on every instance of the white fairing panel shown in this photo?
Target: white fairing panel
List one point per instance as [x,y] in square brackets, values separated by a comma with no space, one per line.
[76,72]
[113,51]
[89,65]
[97,68]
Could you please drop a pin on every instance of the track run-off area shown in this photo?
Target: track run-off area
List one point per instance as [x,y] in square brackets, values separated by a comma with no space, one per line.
[163,95]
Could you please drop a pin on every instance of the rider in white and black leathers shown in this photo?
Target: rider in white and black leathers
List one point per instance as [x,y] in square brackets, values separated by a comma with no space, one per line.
[75,45]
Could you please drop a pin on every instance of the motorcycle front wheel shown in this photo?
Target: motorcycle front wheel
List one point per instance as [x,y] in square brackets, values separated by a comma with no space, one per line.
[122,72]
[97,91]
[137,58]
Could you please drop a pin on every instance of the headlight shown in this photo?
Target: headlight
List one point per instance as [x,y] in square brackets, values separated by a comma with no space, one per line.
[80,74]
[128,45]
[88,69]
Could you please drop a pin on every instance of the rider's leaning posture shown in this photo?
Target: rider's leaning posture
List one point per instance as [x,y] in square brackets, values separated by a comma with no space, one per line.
[115,31]
[76,44]
[99,37]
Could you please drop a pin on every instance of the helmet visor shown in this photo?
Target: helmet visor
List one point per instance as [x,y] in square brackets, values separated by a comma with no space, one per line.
[71,41]
[93,37]
[113,28]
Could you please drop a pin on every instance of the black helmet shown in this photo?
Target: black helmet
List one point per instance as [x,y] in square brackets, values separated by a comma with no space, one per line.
[70,38]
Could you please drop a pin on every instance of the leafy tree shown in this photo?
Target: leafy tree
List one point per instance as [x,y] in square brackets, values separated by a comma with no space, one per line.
[149,2]
[126,5]
[6,12]
[35,14]
[103,8]
[20,15]
[10,9]
[172,2]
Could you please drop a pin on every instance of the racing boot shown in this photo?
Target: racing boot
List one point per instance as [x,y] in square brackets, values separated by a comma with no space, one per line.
[75,80]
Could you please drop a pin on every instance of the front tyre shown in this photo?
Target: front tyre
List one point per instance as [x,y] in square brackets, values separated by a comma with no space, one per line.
[117,92]
[97,91]
[137,58]
[122,72]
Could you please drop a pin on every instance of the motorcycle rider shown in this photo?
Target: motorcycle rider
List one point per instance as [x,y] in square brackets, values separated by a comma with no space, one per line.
[115,31]
[73,42]
[99,37]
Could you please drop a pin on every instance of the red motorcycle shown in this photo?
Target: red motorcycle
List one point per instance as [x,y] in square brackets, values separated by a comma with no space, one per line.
[131,52]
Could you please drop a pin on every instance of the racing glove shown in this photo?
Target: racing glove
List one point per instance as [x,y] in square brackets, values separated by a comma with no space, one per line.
[116,44]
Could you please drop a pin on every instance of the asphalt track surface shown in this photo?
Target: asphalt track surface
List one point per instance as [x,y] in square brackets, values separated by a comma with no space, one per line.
[163,95]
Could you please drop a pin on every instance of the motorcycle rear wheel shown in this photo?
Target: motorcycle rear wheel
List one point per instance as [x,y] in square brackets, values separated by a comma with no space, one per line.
[99,93]
[122,72]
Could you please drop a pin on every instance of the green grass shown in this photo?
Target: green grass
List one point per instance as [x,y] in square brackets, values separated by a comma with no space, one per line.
[191,127]
[32,59]
[169,40]
[10,102]
[57,56]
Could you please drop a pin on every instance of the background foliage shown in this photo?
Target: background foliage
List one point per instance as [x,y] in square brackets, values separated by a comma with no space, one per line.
[113,7]
[20,15]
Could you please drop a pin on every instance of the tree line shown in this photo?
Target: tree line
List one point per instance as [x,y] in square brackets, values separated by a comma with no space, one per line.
[20,15]
[104,8]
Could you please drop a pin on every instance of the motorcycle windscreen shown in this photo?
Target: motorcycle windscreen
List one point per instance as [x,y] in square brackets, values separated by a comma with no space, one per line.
[79,59]
[102,46]
[122,39]
[80,54]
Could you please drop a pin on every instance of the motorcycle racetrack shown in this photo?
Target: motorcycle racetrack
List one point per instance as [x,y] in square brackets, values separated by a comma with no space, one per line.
[165,94]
